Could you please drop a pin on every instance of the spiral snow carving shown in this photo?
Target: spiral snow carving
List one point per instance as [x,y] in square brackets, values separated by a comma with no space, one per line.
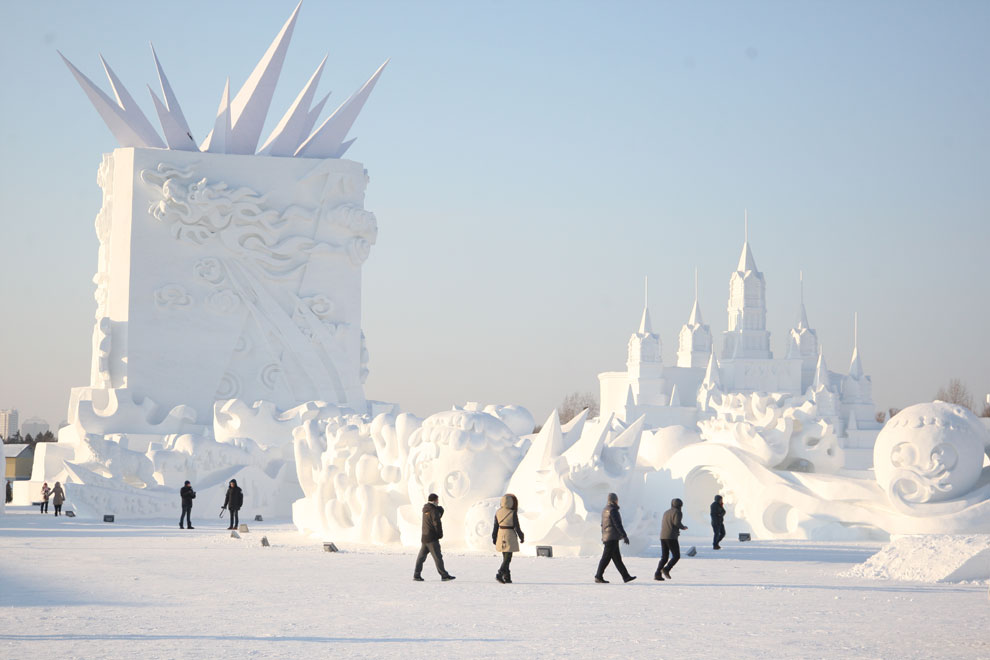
[930,452]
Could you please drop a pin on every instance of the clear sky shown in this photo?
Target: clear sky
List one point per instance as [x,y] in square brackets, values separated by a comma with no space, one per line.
[531,162]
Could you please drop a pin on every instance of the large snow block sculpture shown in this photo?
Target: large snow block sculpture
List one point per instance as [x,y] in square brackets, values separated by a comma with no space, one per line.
[224,276]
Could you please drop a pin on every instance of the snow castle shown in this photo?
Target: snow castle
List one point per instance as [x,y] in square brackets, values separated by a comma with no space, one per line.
[680,395]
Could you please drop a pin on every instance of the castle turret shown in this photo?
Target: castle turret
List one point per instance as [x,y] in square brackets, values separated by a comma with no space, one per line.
[857,388]
[694,343]
[803,345]
[747,336]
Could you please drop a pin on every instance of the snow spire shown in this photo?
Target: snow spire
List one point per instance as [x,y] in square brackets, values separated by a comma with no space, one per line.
[711,372]
[675,399]
[645,327]
[855,366]
[695,318]
[803,320]
[821,372]
[746,260]
[630,400]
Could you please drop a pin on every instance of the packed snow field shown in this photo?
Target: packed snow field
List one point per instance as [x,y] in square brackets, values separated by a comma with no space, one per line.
[81,589]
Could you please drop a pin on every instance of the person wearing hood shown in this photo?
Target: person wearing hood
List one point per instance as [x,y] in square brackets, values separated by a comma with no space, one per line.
[507,535]
[430,539]
[233,502]
[612,533]
[718,522]
[670,529]
[46,492]
[58,497]
[188,495]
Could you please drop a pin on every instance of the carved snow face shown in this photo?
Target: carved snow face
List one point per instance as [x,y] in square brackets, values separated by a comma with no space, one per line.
[462,456]
[930,452]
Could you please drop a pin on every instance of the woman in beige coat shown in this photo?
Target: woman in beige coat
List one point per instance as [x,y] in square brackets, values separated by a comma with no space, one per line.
[506,534]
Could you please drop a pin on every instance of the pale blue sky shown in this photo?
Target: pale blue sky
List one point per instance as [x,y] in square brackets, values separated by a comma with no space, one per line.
[530,162]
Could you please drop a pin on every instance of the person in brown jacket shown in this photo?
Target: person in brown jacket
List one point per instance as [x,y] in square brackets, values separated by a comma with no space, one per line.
[46,492]
[670,529]
[58,497]
[506,534]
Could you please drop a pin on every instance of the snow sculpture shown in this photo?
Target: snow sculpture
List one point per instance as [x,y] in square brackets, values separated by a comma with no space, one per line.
[930,452]
[365,479]
[227,275]
[929,476]
[776,434]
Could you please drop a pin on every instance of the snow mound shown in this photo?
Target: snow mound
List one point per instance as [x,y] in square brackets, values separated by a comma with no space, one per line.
[929,558]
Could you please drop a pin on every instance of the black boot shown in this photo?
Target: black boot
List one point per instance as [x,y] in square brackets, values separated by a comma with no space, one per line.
[499,577]
[507,577]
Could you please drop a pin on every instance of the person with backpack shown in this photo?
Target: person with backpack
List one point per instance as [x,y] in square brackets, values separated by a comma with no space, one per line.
[188,495]
[233,502]
[507,535]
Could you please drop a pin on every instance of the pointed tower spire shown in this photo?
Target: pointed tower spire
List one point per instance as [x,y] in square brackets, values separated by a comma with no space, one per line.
[821,372]
[746,260]
[675,398]
[803,319]
[645,326]
[218,141]
[711,372]
[695,318]
[855,366]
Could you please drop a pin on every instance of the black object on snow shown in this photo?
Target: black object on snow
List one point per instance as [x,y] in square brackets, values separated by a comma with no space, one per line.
[692,551]
[744,536]
[264,542]
[329,547]
[108,518]
[258,518]
[544,551]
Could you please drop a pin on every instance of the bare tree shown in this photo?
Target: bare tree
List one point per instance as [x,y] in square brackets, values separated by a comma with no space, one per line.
[575,402]
[881,417]
[892,412]
[956,393]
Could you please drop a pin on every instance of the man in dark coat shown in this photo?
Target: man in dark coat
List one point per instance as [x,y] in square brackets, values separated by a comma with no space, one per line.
[188,495]
[670,529]
[718,522]
[612,533]
[432,533]
[233,502]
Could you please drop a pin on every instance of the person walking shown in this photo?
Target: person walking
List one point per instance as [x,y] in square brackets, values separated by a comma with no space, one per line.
[233,502]
[612,533]
[670,547]
[430,539]
[718,522]
[507,535]
[188,495]
[10,493]
[58,498]
[46,492]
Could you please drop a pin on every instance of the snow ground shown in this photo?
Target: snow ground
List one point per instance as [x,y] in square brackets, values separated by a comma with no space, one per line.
[81,589]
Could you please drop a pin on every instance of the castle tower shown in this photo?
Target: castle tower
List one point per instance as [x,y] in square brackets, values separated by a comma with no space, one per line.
[856,392]
[747,336]
[694,343]
[803,345]
[644,363]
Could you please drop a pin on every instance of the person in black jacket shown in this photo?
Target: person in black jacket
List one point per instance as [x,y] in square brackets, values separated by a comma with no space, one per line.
[670,530]
[432,533]
[233,502]
[188,495]
[718,522]
[612,532]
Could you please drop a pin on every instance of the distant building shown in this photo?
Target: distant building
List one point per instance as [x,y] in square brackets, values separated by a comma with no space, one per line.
[34,426]
[8,423]
[19,462]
